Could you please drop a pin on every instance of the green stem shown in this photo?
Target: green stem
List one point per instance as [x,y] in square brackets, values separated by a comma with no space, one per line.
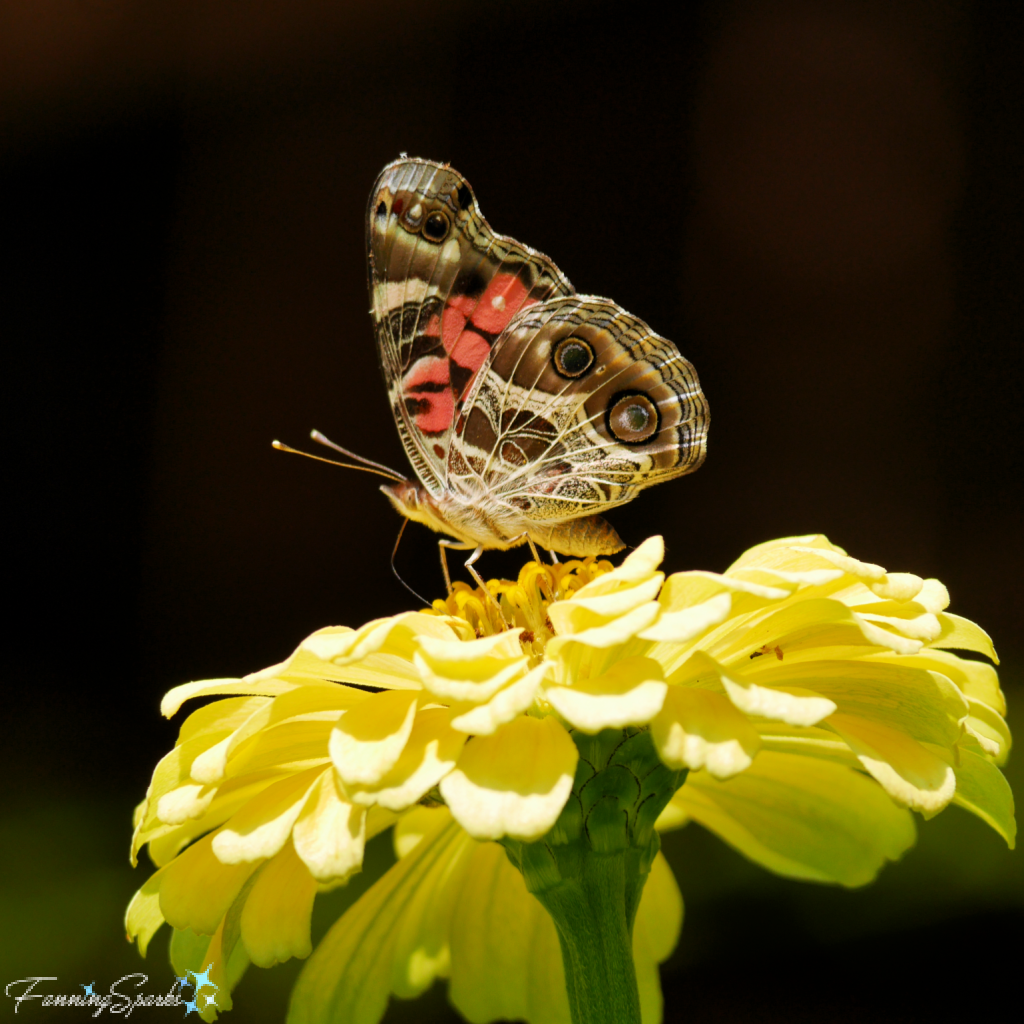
[596,939]
[589,871]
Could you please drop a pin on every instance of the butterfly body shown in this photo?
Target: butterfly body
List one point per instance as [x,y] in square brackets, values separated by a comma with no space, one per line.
[525,409]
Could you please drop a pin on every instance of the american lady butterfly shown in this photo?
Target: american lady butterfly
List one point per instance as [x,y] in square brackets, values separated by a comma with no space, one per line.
[525,409]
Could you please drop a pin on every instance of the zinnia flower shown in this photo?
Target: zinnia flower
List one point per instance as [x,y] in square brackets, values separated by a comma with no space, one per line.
[812,698]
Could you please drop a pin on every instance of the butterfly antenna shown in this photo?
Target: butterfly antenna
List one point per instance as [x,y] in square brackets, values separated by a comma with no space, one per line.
[321,439]
[383,471]
[394,552]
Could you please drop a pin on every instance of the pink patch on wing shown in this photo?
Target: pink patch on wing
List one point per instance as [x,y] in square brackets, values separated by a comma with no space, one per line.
[428,370]
[438,415]
[437,408]
[471,350]
[452,324]
[501,301]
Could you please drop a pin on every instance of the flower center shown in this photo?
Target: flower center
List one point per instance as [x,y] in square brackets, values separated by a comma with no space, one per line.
[522,603]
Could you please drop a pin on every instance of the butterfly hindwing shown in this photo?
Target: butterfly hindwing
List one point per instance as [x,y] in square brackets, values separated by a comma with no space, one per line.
[578,407]
[443,288]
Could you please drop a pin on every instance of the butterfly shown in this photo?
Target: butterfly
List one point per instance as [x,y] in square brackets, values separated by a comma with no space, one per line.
[526,410]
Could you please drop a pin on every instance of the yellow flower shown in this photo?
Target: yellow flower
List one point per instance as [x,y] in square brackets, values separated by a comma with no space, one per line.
[813,699]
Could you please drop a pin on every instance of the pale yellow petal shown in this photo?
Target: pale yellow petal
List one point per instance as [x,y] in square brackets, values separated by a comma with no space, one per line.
[470,671]
[700,729]
[688,589]
[177,696]
[566,614]
[912,775]
[659,920]
[630,693]
[513,783]
[276,915]
[611,634]
[922,703]
[506,961]
[506,704]
[196,889]
[983,790]
[263,825]
[784,703]
[303,704]
[801,817]
[687,623]
[430,753]
[330,833]
[144,918]
[367,742]
[350,974]
[964,635]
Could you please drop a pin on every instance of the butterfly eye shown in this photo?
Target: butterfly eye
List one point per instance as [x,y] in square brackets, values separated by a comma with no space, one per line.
[435,227]
[572,357]
[632,418]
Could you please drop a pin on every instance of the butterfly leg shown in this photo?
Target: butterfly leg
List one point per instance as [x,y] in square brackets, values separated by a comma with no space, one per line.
[455,546]
[541,580]
[480,582]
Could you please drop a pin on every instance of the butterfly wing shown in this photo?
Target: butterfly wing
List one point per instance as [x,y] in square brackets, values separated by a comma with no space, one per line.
[577,408]
[443,286]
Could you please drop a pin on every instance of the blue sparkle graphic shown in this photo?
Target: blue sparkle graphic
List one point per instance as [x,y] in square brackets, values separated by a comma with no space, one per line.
[202,980]
[88,988]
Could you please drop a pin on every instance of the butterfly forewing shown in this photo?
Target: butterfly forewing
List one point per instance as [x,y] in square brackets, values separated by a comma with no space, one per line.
[578,407]
[443,288]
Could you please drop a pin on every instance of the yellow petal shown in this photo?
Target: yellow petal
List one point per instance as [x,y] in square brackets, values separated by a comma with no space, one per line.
[367,742]
[470,671]
[964,635]
[303,704]
[637,567]
[659,920]
[610,634]
[631,692]
[513,783]
[352,970]
[801,817]
[428,756]
[564,614]
[143,918]
[177,696]
[263,825]
[330,833]
[506,960]
[196,889]
[784,703]
[687,623]
[701,729]
[687,589]
[866,571]
[506,704]
[983,790]
[277,911]
[922,703]
[911,774]
[378,654]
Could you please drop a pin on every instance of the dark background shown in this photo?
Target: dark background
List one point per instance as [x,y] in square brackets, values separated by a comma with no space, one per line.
[819,202]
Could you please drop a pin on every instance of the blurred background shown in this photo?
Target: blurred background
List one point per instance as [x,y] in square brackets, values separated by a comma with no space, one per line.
[819,202]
